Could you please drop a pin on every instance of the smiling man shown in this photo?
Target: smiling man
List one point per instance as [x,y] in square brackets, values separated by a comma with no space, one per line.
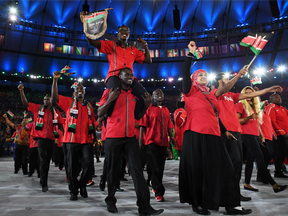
[121,55]
[79,136]
[120,139]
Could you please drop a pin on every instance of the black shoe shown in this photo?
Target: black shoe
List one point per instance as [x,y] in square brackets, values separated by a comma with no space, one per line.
[44,189]
[244,199]
[102,185]
[280,175]
[119,189]
[26,173]
[30,175]
[251,189]
[151,212]
[73,196]
[83,192]
[233,211]
[15,172]
[279,189]
[94,176]
[112,208]
[98,161]
[123,179]
[201,211]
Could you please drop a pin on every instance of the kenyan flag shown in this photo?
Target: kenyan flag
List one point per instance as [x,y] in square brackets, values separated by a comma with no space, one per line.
[199,53]
[10,113]
[256,41]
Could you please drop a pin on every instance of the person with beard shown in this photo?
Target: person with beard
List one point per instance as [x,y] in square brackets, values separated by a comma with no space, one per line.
[47,121]
[79,135]
[279,118]
[206,175]
[229,118]
[21,140]
[249,115]
[120,139]
[121,55]
[157,123]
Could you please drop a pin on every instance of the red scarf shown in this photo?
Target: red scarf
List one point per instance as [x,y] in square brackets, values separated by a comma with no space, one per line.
[203,88]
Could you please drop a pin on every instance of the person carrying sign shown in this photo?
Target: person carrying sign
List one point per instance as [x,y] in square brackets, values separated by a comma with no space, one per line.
[120,55]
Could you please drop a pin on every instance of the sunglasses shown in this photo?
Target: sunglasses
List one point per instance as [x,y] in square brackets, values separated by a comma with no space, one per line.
[123,30]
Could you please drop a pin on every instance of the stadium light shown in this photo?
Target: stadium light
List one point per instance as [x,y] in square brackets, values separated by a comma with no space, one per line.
[226,75]
[281,68]
[80,80]
[13,10]
[211,76]
[13,18]
[259,71]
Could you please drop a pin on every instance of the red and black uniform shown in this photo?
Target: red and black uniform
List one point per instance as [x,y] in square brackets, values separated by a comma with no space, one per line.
[78,144]
[251,140]
[120,139]
[122,57]
[157,122]
[229,118]
[119,57]
[179,119]
[33,154]
[267,131]
[279,119]
[205,167]
[45,139]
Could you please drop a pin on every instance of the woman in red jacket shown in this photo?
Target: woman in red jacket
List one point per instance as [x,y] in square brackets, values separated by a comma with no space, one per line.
[206,176]
[248,111]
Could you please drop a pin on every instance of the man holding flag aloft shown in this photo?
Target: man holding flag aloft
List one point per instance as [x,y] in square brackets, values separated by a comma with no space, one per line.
[79,135]
[47,122]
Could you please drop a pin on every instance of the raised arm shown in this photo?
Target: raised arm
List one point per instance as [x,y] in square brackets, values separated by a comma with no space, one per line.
[187,83]
[113,95]
[95,43]
[54,90]
[272,89]
[8,121]
[147,53]
[231,83]
[22,94]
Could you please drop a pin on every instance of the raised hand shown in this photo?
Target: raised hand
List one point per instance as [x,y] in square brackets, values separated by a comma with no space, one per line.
[275,88]
[5,116]
[82,15]
[113,94]
[147,99]
[21,87]
[243,71]
[192,47]
[56,74]
[141,40]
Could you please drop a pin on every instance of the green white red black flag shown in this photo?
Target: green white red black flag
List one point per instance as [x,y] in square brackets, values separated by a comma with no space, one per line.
[256,41]
[95,23]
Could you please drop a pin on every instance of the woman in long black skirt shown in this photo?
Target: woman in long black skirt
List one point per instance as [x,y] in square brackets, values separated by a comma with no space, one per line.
[206,176]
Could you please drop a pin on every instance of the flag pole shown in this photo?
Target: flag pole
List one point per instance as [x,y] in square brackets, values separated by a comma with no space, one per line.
[194,64]
[251,62]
